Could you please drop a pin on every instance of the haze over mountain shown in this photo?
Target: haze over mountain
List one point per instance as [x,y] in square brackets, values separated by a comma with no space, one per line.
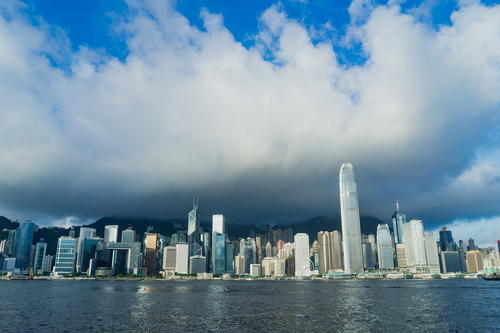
[128,108]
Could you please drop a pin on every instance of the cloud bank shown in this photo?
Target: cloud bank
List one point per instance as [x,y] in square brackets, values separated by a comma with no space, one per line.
[258,132]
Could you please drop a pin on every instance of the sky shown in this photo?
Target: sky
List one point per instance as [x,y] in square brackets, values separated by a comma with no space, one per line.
[130,107]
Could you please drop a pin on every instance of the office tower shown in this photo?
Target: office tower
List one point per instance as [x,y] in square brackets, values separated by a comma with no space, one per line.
[169,259]
[65,256]
[384,247]
[219,254]
[290,266]
[472,245]
[450,262]
[258,246]
[88,250]
[72,232]
[182,258]
[40,252]
[218,224]
[414,241]
[337,255]
[193,218]
[400,255]
[230,257]
[461,257]
[48,262]
[463,245]
[22,248]
[368,262]
[239,265]
[474,261]
[431,252]
[84,233]
[178,237]
[10,245]
[398,219]
[325,251]
[351,229]
[373,244]
[218,244]
[128,236]
[498,245]
[3,244]
[111,233]
[288,235]
[255,270]
[150,245]
[248,251]
[302,261]
[197,264]
[269,250]
[446,242]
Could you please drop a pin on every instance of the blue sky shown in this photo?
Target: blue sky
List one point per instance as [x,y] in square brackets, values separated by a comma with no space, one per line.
[129,107]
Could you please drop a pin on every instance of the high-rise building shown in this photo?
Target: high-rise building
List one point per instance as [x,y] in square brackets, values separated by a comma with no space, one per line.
[384,247]
[218,224]
[431,252]
[65,256]
[351,228]
[22,248]
[398,219]
[255,270]
[48,262]
[337,255]
[498,245]
[400,255]
[128,236]
[474,261]
[197,264]
[239,265]
[84,233]
[88,249]
[269,250]
[414,241]
[302,261]
[472,245]
[11,243]
[450,262]
[325,251]
[368,262]
[150,258]
[169,258]
[229,257]
[111,233]
[40,252]
[446,242]
[193,218]
[248,250]
[182,258]
[219,254]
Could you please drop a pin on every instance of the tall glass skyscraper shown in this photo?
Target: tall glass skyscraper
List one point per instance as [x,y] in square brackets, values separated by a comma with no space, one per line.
[40,251]
[193,218]
[219,254]
[65,256]
[22,248]
[84,233]
[446,241]
[248,250]
[351,228]
[384,247]
[302,260]
[398,219]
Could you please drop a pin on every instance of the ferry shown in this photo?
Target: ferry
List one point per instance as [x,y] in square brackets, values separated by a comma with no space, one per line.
[492,277]
[470,276]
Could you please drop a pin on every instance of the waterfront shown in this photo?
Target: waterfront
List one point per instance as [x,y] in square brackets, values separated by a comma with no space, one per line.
[457,305]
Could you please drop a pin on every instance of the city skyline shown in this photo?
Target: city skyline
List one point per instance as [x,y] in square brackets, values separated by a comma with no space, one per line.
[128,108]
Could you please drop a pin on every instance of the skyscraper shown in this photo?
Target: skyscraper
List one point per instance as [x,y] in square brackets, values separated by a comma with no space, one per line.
[398,219]
[325,251]
[84,233]
[111,233]
[337,255]
[248,250]
[384,247]
[65,256]
[128,235]
[150,244]
[218,244]
[22,248]
[182,258]
[302,261]
[351,228]
[446,240]
[414,241]
[40,251]
[193,218]
[169,258]
[431,252]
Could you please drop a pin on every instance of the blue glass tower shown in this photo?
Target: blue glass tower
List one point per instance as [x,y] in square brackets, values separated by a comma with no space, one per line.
[22,248]
[398,219]
[65,256]
[219,254]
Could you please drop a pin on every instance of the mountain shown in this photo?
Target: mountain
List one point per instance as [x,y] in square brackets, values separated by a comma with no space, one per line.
[5,223]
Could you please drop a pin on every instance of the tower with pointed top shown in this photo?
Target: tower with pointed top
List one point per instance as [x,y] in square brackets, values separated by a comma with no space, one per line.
[193,217]
[398,219]
[351,228]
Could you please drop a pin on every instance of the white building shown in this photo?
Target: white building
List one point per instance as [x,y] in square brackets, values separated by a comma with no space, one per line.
[182,258]
[255,270]
[169,258]
[431,251]
[351,228]
[302,263]
[384,247]
[218,224]
[420,248]
[111,233]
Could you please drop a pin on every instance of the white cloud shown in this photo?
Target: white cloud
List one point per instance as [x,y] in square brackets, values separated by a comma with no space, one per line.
[192,110]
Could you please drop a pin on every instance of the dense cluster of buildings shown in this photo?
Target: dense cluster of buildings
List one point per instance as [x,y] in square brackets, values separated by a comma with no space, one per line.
[407,248]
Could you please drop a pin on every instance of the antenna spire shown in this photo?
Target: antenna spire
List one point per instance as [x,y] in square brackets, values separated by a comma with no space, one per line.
[397,205]
[195,201]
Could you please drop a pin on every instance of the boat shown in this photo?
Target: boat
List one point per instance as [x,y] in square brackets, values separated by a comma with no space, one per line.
[492,277]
